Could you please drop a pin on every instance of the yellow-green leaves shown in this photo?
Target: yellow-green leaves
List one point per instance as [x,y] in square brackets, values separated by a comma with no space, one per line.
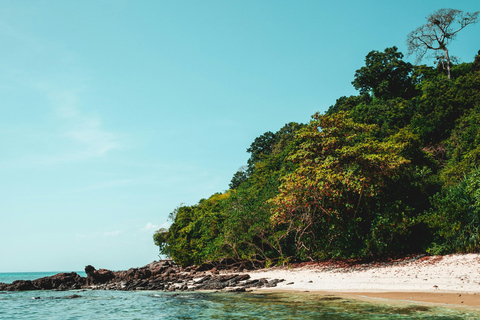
[341,166]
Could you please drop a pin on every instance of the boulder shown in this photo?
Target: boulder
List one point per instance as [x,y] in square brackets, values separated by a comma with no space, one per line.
[61,281]
[101,276]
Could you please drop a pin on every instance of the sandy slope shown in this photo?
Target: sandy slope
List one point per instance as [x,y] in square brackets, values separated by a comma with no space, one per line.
[427,278]
[452,273]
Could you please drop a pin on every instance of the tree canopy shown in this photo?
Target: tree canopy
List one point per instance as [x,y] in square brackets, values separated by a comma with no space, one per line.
[342,168]
[385,75]
[393,170]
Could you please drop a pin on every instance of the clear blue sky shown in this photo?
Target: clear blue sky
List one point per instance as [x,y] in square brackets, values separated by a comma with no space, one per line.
[113,113]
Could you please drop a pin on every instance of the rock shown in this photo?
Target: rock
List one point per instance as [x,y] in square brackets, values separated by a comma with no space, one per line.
[60,281]
[201,280]
[273,283]
[101,276]
[89,269]
[237,290]
[159,275]
[73,296]
[22,285]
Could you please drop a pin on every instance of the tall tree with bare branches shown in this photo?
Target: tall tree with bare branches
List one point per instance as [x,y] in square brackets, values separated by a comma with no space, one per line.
[441,28]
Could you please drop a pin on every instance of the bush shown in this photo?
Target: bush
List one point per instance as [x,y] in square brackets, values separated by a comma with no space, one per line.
[455,217]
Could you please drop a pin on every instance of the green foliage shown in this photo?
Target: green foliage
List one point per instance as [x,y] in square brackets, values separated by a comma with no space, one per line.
[192,237]
[442,102]
[386,75]
[422,73]
[378,174]
[461,70]
[476,62]
[455,217]
[248,232]
[160,238]
[390,115]
[238,178]
[463,147]
[268,142]
[341,170]
[348,103]
[260,147]
[235,224]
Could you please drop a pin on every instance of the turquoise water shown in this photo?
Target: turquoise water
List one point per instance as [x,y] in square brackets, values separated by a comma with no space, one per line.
[158,305]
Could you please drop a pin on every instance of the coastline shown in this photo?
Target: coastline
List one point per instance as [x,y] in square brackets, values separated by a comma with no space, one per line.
[447,280]
[451,281]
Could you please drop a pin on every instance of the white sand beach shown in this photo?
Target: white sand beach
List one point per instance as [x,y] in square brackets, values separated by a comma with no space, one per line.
[445,279]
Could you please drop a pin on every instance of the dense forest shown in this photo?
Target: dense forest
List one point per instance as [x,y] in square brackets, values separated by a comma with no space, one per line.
[392,170]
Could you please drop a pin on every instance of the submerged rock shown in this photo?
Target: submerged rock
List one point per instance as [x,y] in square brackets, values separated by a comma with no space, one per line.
[73,296]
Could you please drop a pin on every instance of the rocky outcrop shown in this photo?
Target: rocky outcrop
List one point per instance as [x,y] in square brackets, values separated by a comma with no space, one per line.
[163,275]
[98,276]
[60,281]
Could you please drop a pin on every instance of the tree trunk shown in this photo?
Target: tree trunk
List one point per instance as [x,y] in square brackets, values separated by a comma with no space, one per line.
[448,61]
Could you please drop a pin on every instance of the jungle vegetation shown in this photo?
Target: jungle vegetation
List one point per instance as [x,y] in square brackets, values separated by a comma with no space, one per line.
[392,170]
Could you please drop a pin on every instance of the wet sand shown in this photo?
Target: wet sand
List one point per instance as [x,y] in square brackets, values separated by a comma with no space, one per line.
[469,300]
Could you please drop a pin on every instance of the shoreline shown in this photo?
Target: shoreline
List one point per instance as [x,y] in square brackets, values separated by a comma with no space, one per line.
[437,299]
[449,281]
[452,280]
[450,300]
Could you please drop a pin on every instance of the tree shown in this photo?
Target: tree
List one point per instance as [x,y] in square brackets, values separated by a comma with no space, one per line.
[463,148]
[443,102]
[259,148]
[238,178]
[160,238]
[346,104]
[193,236]
[385,74]
[476,62]
[441,28]
[341,169]
[269,143]
[455,217]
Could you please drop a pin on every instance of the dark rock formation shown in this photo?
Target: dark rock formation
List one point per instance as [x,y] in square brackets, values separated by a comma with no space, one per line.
[98,276]
[60,281]
[73,296]
[162,275]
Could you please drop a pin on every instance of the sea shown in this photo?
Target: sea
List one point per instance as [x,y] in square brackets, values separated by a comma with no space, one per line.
[151,305]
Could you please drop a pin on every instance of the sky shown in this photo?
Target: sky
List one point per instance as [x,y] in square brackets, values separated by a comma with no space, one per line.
[114,113]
